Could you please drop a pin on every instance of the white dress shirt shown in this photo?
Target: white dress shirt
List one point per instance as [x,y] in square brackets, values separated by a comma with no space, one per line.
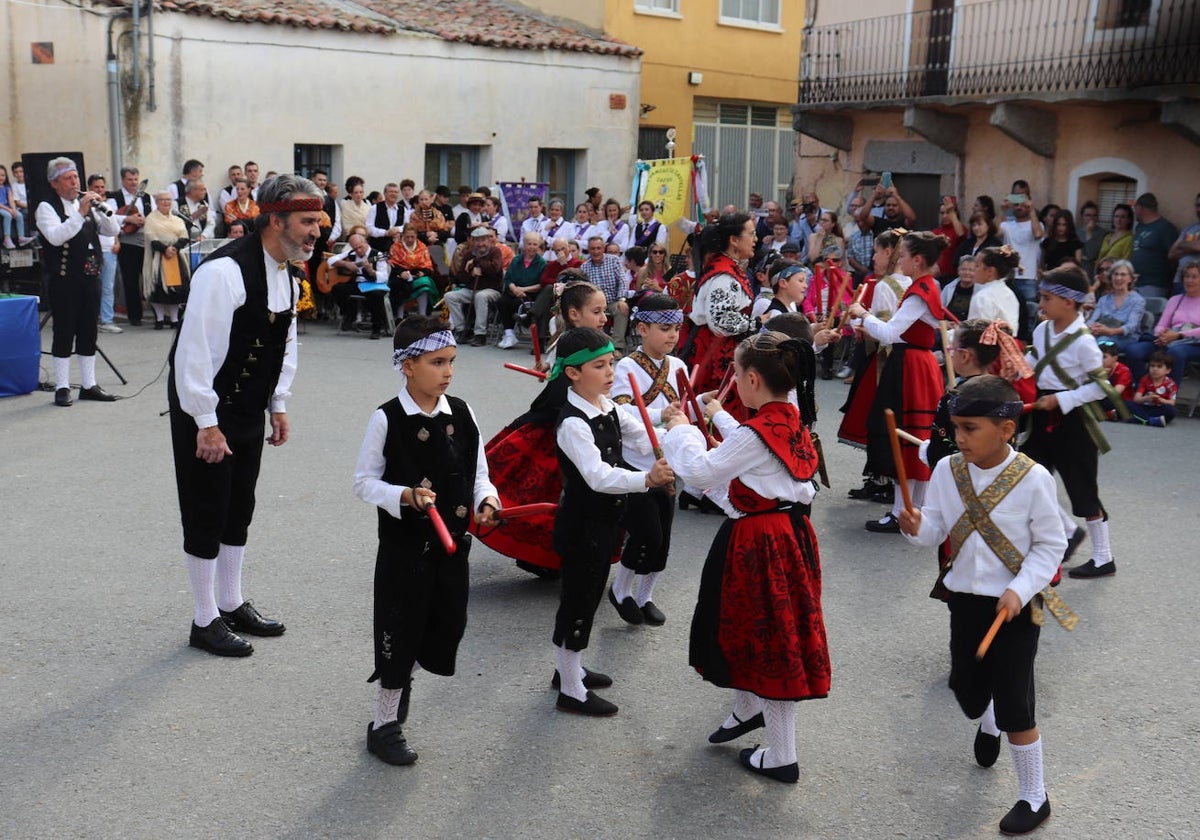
[532,224]
[562,228]
[395,217]
[201,228]
[217,291]
[57,231]
[576,440]
[640,459]
[1028,516]
[911,310]
[624,233]
[368,471]
[581,232]
[995,300]
[884,301]
[503,228]
[1076,361]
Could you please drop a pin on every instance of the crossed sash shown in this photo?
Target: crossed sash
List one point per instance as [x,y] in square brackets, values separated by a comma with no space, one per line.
[977,519]
[1091,412]
[660,379]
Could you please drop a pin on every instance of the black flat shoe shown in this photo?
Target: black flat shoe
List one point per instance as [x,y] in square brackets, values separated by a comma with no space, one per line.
[1091,570]
[62,397]
[158,325]
[1073,543]
[722,735]
[652,614]
[788,773]
[246,619]
[866,492]
[627,608]
[594,705]
[216,638]
[389,744]
[987,748]
[96,393]
[591,679]
[1022,819]
[888,525]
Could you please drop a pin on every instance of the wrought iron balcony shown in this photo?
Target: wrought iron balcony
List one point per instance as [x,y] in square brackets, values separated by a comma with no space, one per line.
[1004,48]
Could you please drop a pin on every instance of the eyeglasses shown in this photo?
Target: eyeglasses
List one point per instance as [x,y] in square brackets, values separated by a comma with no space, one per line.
[658,252]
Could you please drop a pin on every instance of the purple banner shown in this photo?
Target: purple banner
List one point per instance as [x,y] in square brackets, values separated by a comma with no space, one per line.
[514,199]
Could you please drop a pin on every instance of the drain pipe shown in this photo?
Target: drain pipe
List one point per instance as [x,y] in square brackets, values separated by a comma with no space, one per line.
[137,52]
[114,98]
[152,104]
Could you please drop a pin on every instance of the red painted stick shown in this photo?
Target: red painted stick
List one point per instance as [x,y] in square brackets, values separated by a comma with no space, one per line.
[836,301]
[442,531]
[727,382]
[991,633]
[858,298]
[529,371]
[641,404]
[537,344]
[686,392]
[1026,408]
[517,511]
[901,478]
[695,376]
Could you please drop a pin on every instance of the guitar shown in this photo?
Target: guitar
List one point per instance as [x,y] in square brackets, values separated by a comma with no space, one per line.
[134,207]
[329,276]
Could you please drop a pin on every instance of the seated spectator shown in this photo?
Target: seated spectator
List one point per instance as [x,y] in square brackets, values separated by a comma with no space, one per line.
[194,206]
[523,284]
[464,191]
[242,206]
[582,228]
[635,260]
[474,218]
[1061,243]
[412,274]
[477,283]
[606,272]
[957,294]
[1154,400]
[236,229]
[497,219]
[431,227]
[1118,242]
[1117,316]
[653,275]
[19,190]
[556,224]
[1119,377]
[1185,250]
[10,215]
[827,235]
[1177,332]
[361,271]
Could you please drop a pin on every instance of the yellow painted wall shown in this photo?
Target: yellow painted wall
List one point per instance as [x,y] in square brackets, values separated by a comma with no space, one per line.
[738,63]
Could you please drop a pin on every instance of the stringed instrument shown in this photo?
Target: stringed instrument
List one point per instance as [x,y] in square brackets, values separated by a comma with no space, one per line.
[134,207]
[329,276]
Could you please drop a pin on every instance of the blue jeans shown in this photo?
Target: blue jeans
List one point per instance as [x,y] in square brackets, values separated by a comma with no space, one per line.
[108,274]
[1027,288]
[1182,353]
[7,218]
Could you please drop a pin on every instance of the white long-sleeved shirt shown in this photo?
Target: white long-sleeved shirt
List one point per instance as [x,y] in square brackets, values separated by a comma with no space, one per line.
[1077,361]
[576,440]
[884,301]
[636,458]
[994,300]
[57,231]
[742,455]
[912,309]
[621,233]
[217,291]
[396,217]
[1028,516]
[368,470]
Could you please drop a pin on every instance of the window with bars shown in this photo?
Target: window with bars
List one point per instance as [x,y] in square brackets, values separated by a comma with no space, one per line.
[748,148]
[1111,192]
[763,12]
[309,157]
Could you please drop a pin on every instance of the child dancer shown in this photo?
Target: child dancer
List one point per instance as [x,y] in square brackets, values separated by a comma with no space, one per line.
[758,626]
[911,381]
[648,521]
[421,446]
[1064,433]
[789,284]
[992,299]
[591,434]
[998,508]
[1154,400]
[522,454]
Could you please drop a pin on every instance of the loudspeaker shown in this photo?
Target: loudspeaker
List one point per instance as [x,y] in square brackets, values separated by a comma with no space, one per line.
[37,185]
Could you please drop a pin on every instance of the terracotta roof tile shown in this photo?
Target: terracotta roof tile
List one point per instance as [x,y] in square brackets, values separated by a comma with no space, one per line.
[489,23]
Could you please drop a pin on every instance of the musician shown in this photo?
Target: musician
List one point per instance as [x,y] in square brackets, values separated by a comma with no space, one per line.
[195,209]
[386,221]
[72,256]
[134,208]
[193,170]
[233,361]
[361,264]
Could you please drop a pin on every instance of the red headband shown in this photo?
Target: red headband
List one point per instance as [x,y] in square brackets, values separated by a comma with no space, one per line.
[292,205]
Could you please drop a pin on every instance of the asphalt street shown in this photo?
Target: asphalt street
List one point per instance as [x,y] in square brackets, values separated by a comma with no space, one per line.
[113,728]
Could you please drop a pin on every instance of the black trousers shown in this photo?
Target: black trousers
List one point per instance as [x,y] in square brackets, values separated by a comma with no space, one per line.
[344,293]
[648,522]
[130,259]
[75,305]
[1006,672]
[586,547]
[216,501]
[1061,443]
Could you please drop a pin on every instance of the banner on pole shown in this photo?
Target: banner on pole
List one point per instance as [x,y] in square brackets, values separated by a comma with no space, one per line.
[665,184]
[514,201]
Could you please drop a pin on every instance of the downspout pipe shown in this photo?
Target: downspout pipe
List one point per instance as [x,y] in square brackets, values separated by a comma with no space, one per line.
[152,104]
[114,98]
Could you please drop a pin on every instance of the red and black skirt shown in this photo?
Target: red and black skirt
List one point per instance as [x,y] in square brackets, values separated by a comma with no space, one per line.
[911,385]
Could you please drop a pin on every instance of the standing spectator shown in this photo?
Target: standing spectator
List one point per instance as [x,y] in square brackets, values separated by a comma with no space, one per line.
[321,178]
[1186,250]
[1118,242]
[387,219]
[613,228]
[355,208]
[984,204]
[134,208]
[229,191]
[242,206]
[607,273]
[1024,233]
[108,269]
[535,221]
[1152,240]
[581,229]
[556,225]
[1061,243]
[408,201]
[896,211]
[250,170]
[951,227]
[648,230]
[166,239]
[193,170]
[1117,316]
[827,235]
[1091,233]
[807,210]
[478,283]
[458,209]
[984,234]
[860,248]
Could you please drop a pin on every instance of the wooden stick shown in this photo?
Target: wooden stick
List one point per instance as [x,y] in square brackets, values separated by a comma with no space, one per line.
[537,345]
[858,299]
[440,527]
[947,354]
[529,371]
[695,377]
[518,511]
[907,438]
[991,633]
[641,404]
[901,478]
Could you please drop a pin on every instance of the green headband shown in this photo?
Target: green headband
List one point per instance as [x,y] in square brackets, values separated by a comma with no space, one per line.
[579,357]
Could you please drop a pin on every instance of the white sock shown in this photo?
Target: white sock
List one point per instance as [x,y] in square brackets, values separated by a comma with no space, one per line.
[229,571]
[746,704]
[781,733]
[509,334]
[62,372]
[645,589]
[988,722]
[1098,531]
[423,304]
[387,704]
[570,672]
[87,371]
[1068,521]
[622,585]
[917,490]
[1030,775]
[159,310]
[202,572]
[897,503]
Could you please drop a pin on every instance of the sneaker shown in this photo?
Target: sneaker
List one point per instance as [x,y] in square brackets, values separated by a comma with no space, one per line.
[509,340]
[8,243]
[22,241]
[845,371]
[110,328]
[1157,422]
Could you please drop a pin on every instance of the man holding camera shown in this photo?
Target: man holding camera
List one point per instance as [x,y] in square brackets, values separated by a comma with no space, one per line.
[1024,233]
[896,211]
[71,223]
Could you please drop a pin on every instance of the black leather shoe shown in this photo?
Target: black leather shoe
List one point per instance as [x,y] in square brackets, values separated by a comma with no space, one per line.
[1091,570]
[246,619]
[788,773]
[627,608]
[63,397]
[591,679]
[1022,819]
[217,638]
[723,735]
[158,325]
[389,744]
[888,525]
[1073,543]
[885,494]
[96,393]
[594,705]
[866,492]
[652,614]
[376,335]
[987,748]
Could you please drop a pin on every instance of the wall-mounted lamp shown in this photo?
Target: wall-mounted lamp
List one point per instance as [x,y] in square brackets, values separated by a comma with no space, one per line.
[695,78]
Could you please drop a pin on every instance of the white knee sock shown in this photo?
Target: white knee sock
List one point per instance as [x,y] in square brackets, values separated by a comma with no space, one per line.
[645,589]
[202,572]
[781,732]
[62,372]
[570,672]
[916,489]
[622,585]
[87,371]
[229,571]
[1068,521]
[1098,531]
[746,704]
[387,704]
[422,304]
[1030,775]
[159,310]
[988,722]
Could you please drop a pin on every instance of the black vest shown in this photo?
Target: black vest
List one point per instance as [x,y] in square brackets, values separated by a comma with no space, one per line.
[578,499]
[257,337]
[80,255]
[439,453]
[383,243]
